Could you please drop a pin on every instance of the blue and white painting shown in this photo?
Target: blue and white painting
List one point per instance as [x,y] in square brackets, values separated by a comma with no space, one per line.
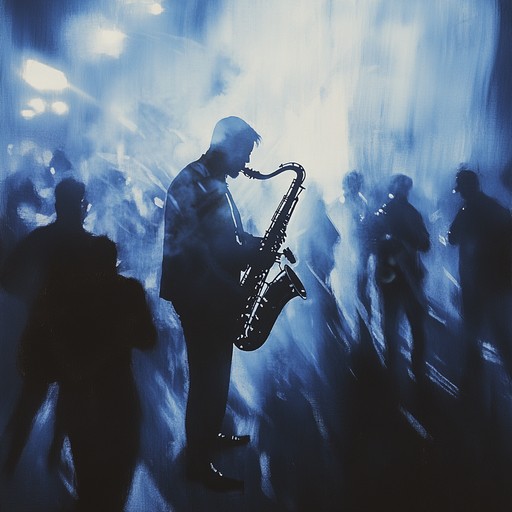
[123,94]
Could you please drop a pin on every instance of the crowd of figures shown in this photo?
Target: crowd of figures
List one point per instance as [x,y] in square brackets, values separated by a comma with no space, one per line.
[84,318]
[388,240]
[438,352]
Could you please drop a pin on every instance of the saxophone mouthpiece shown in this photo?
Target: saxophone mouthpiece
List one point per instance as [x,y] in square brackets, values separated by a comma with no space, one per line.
[250,173]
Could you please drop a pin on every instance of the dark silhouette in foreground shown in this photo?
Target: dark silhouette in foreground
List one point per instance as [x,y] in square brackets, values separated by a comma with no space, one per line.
[93,325]
[62,246]
[84,319]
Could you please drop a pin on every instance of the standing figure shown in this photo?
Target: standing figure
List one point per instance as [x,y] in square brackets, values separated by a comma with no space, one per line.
[357,233]
[63,245]
[90,326]
[205,250]
[400,235]
[483,231]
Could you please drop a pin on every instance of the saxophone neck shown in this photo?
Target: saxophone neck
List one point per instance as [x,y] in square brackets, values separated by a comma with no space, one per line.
[290,166]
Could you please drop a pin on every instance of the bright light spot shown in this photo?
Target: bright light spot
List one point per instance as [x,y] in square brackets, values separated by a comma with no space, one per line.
[158,202]
[38,105]
[108,42]
[52,170]
[43,77]
[156,9]
[28,113]
[60,108]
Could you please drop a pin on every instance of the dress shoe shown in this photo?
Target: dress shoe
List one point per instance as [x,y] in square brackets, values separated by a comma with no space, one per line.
[213,479]
[225,441]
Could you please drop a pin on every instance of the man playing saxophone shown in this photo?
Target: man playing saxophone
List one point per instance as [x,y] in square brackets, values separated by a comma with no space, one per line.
[205,249]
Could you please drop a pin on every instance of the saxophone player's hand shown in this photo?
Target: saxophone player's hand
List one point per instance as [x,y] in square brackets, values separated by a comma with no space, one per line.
[256,254]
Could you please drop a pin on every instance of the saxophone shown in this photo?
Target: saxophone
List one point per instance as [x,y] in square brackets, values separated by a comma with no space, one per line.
[265,300]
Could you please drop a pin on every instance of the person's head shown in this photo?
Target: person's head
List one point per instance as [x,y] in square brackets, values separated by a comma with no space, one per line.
[70,204]
[467,183]
[232,142]
[352,184]
[400,186]
[60,162]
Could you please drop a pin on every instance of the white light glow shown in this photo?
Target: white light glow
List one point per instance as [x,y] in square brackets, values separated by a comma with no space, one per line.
[60,108]
[108,42]
[43,77]
[27,113]
[156,9]
[38,105]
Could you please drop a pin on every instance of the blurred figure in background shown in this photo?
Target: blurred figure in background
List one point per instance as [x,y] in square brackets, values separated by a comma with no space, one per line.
[357,233]
[482,229]
[400,235]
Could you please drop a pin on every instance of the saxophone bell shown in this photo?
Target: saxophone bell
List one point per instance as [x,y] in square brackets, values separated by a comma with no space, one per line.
[284,287]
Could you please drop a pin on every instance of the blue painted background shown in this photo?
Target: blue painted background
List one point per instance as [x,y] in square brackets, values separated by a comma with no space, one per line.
[408,86]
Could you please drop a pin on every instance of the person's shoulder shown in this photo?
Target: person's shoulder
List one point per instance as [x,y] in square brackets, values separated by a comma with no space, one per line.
[103,240]
[414,210]
[131,294]
[403,209]
[43,230]
[193,172]
[40,235]
[494,202]
[493,206]
[183,184]
[129,285]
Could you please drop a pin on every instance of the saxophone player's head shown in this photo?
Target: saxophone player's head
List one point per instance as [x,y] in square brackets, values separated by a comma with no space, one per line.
[231,146]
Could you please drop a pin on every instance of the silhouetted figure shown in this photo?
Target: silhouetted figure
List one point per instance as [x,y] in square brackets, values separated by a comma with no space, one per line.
[25,197]
[59,162]
[90,326]
[61,245]
[400,236]
[205,249]
[12,226]
[483,231]
[357,231]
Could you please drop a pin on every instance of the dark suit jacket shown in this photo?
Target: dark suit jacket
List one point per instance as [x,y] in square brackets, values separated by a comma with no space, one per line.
[483,231]
[205,246]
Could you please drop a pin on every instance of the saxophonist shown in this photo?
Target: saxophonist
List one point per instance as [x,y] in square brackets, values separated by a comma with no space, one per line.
[205,249]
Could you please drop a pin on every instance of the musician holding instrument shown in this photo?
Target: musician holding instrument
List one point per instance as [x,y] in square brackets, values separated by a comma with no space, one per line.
[400,236]
[205,249]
